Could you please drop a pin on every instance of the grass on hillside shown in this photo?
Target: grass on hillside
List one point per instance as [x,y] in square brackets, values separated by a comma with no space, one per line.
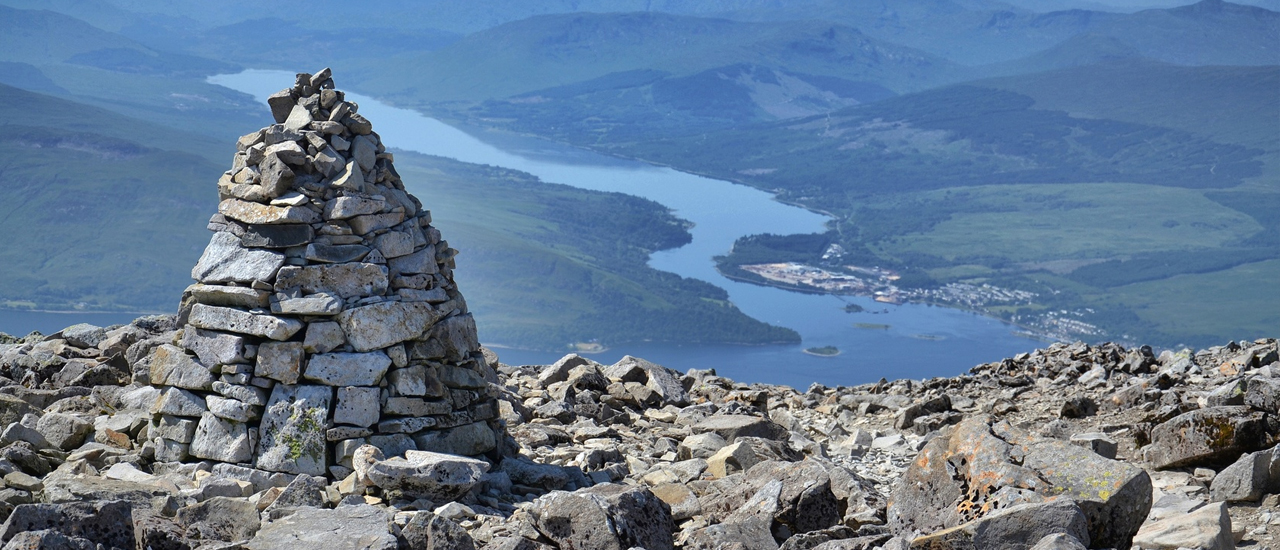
[543,264]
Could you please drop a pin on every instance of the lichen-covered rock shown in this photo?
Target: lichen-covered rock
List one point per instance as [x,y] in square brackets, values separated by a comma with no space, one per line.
[1208,437]
[292,433]
[976,469]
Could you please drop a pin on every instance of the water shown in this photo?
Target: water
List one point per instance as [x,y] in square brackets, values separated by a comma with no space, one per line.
[21,323]
[921,341]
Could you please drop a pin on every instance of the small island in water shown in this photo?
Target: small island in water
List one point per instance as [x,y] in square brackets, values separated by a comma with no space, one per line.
[824,351]
[853,308]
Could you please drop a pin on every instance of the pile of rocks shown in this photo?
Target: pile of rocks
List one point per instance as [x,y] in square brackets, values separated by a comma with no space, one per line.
[1069,447]
[325,315]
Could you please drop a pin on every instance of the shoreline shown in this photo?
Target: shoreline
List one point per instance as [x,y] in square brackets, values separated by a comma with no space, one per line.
[807,352]
[1022,330]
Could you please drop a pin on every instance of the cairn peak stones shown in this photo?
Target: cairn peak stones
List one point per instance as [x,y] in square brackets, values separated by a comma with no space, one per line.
[324,315]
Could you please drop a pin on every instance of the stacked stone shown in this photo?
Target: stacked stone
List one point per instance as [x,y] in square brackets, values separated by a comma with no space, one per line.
[325,315]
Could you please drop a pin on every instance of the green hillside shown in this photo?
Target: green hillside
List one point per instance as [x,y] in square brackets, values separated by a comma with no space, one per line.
[1029,183]
[954,136]
[648,104]
[545,263]
[1229,104]
[557,50]
[110,215]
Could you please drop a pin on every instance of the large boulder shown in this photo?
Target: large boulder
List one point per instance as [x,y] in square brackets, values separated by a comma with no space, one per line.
[1012,528]
[1248,478]
[791,498]
[437,477]
[605,517]
[220,518]
[1209,437]
[361,527]
[976,468]
[109,523]
[1207,528]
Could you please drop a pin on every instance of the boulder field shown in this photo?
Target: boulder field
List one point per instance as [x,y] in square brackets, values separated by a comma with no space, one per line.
[1072,446]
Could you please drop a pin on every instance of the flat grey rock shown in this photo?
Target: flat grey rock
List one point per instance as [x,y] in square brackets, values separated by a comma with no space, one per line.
[225,261]
[348,369]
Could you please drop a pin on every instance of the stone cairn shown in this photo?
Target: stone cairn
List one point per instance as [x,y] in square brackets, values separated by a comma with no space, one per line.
[325,315]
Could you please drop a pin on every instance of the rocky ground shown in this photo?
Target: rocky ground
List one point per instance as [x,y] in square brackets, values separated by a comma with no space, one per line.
[1073,446]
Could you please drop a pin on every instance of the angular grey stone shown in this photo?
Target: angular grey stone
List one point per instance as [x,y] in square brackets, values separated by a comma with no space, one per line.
[363,225]
[107,523]
[408,381]
[64,431]
[320,304]
[230,409]
[280,361]
[393,444]
[348,369]
[303,491]
[221,439]
[458,377]
[298,118]
[345,280]
[1059,542]
[1245,480]
[467,440]
[1099,443]
[336,253]
[405,425]
[251,395]
[361,527]
[457,334]
[420,262]
[431,532]
[277,236]
[364,152]
[606,517]
[288,151]
[229,296]
[1263,394]
[1208,528]
[281,104]
[225,261]
[1013,527]
[220,519]
[342,208]
[173,428]
[275,176]
[255,213]
[732,426]
[323,337]
[171,366]
[357,406]
[434,476]
[212,347]
[394,244]
[178,402]
[415,406]
[292,433]
[351,179]
[84,335]
[242,322]
[380,325]
[1206,436]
